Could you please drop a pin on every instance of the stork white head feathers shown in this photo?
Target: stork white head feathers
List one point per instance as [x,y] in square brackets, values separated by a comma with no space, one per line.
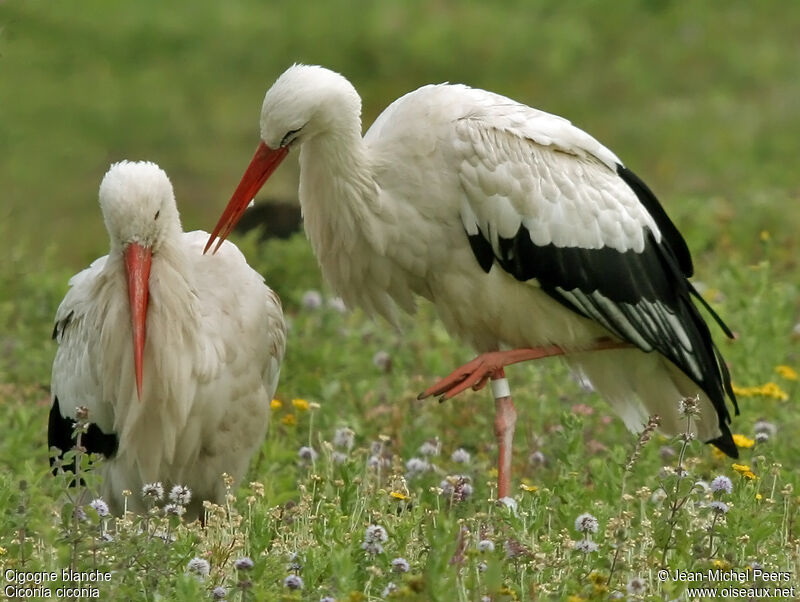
[138,205]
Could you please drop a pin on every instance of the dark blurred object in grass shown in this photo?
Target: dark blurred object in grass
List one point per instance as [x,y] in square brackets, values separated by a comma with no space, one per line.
[273,218]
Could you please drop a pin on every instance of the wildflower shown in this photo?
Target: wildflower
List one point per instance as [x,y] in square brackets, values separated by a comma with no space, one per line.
[382,361]
[180,494]
[763,426]
[509,502]
[312,300]
[482,566]
[529,488]
[769,389]
[585,545]
[275,404]
[154,491]
[295,566]
[762,437]
[390,587]
[338,457]
[398,495]
[375,533]
[289,420]
[243,564]
[344,438]
[689,406]
[666,452]
[460,456]
[430,447]
[740,468]
[721,483]
[586,523]
[293,582]
[327,599]
[307,454]
[743,441]
[198,567]
[486,545]
[456,487]
[301,405]
[174,510]
[537,458]
[416,466]
[219,593]
[718,507]
[636,586]
[337,304]
[787,372]
[377,461]
[400,565]
[100,507]
[658,496]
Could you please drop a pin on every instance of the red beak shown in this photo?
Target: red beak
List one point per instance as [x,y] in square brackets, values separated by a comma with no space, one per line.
[264,162]
[137,265]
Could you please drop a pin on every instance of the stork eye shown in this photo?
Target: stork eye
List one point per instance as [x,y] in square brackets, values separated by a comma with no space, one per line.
[289,137]
[155,217]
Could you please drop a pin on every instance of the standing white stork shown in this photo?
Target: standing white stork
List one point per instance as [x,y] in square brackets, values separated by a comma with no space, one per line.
[174,353]
[525,233]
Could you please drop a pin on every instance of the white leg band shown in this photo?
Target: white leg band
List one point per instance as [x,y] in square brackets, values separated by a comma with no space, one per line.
[500,388]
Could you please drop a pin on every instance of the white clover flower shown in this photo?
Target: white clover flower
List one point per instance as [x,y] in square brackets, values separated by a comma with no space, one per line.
[180,494]
[174,510]
[244,563]
[586,523]
[636,586]
[486,545]
[382,361]
[416,466]
[375,533]
[344,438]
[537,458]
[460,456]
[154,491]
[293,582]
[721,483]
[509,502]
[100,507]
[199,567]
[307,454]
[718,507]
[585,545]
[400,565]
[390,587]
[431,447]
[312,299]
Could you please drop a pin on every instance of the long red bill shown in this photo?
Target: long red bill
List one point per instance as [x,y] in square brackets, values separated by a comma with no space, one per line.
[137,265]
[264,162]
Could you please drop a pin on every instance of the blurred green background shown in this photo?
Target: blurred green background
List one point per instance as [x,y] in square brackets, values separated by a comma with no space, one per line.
[700,99]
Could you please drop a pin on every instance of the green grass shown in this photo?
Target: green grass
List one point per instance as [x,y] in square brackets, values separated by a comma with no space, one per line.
[699,100]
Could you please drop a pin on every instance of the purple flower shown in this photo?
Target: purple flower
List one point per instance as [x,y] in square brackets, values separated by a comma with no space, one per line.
[293,582]
[586,523]
[100,507]
[721,483]
[180,494]
[243,564]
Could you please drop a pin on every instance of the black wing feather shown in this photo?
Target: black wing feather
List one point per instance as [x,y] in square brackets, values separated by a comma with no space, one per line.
[637,296]
[60,435]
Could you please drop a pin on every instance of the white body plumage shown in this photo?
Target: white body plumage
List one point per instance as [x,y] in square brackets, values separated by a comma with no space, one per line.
[211,358]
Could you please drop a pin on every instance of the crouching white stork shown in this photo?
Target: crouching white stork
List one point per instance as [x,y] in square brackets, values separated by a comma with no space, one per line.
[174,353]
[525,232]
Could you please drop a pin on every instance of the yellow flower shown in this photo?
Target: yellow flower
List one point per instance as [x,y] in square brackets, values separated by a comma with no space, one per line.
[300,404]
[787,372]
[769,389]
[576,599]
[493,472]
[3,551]
[596,577]
[275,404]
[751,476]
[765,236]
[743,441]
[758,496]
[721,564]
[740,468]
[289,420]
[717,453]
[399,496]
[529,488]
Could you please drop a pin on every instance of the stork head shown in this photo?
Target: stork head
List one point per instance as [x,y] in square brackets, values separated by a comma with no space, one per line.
[304,102]
[139,211]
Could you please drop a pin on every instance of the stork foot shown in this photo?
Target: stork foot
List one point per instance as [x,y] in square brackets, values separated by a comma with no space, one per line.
[476,373]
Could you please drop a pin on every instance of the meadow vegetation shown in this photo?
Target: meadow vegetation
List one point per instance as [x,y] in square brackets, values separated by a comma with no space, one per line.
[699,100]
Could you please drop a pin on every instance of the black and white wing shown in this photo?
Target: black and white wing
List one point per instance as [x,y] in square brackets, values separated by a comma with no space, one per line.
[553,207]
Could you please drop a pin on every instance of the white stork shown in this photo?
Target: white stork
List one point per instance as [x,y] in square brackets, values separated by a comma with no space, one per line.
[174,353]
[525,232]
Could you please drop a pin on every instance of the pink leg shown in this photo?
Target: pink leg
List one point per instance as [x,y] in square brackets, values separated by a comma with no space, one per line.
[505,421]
